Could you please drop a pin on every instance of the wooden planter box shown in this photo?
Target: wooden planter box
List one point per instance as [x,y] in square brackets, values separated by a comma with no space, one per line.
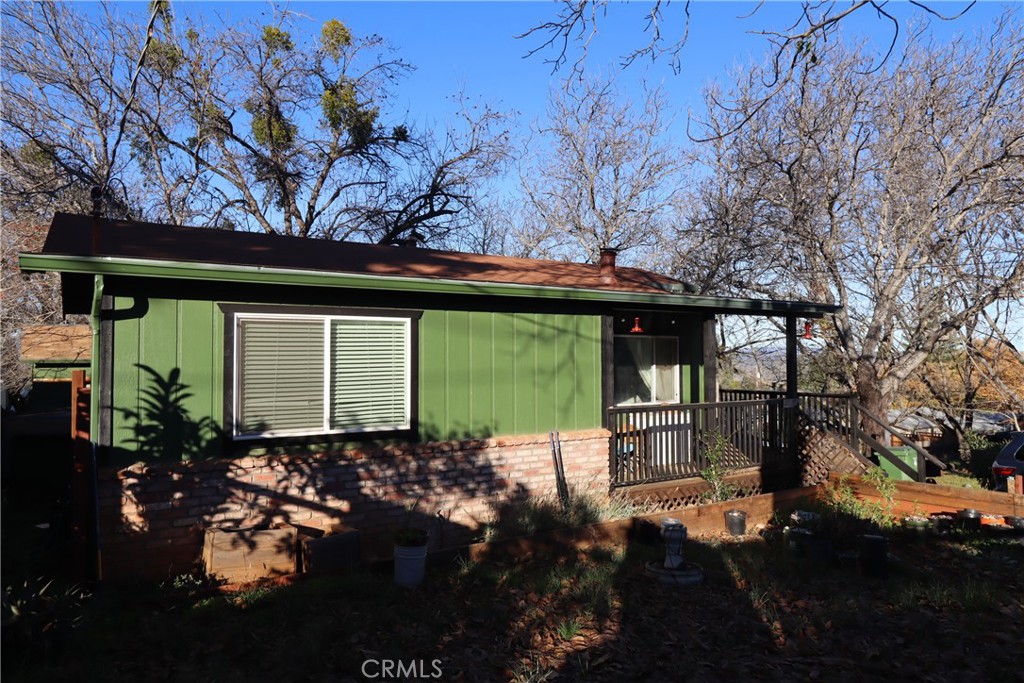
[237,555]
[338,550]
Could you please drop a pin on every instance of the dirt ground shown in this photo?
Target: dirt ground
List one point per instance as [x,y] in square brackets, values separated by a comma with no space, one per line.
[949,609]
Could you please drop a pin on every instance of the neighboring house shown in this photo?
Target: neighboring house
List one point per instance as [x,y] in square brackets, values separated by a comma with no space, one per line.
[921,429]
[53,352]
[244,378]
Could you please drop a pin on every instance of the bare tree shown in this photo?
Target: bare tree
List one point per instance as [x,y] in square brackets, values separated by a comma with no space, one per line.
[62,108]
[256,126]
[26,300]
[814,22]
[607,176]
[231,127]
[895,194]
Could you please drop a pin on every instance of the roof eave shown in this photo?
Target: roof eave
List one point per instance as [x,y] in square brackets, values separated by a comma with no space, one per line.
[109,265]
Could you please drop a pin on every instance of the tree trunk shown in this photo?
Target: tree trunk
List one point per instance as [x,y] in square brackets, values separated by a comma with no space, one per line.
[872,398]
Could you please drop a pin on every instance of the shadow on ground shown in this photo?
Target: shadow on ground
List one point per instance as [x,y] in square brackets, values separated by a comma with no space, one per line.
[943,613]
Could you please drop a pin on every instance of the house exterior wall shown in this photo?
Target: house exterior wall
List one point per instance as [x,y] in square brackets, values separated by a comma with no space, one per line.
[487,373]
[490,386]
[155,345]
[481,374]
[153,515]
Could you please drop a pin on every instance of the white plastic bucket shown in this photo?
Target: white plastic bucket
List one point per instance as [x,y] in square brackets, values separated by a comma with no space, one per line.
[410,564]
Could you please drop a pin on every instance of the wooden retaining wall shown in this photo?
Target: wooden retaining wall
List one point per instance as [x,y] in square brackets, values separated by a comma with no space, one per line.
[911,498]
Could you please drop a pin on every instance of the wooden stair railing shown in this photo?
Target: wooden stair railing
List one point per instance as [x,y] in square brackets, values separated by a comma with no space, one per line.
[883,451]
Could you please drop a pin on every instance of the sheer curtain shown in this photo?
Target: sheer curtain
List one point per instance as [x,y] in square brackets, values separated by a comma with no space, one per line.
[646,370]
[634,370]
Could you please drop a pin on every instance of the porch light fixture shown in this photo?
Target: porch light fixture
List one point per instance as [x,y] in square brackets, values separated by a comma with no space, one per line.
[807,330]
[636,327]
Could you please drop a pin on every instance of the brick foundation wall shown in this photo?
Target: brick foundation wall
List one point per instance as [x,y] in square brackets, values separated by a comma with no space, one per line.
[153,516]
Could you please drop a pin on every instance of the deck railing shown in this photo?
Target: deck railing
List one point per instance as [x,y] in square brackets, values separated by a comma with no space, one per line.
[662,442]
[653,443]
[836,412]
[843,416]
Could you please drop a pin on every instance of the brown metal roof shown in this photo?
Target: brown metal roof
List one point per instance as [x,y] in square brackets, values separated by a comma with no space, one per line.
[72,235]
[42,343]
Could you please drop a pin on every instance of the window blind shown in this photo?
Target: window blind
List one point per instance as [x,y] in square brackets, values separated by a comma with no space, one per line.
[369,374]
[282,376]
[287,365]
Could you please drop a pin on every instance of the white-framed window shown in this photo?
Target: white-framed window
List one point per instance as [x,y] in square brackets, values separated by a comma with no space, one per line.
[646,369]
[298,374]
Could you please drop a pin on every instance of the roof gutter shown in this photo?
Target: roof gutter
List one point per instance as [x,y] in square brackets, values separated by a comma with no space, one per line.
[109,265]
[95,363]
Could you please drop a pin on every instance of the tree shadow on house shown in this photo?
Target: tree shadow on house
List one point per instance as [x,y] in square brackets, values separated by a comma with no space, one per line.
[163,428]
[181,485]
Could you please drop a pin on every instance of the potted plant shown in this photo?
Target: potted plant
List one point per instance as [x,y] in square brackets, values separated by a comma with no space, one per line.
[411,537]
[918,525]
[410,552]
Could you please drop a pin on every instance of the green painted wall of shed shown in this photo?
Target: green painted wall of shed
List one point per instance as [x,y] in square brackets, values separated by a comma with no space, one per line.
[480,374]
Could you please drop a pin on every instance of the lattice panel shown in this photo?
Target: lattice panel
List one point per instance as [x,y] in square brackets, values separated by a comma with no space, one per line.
[822,454]
[676,495]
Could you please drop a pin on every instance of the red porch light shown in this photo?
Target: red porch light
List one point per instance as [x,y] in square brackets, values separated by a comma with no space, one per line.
[636,327]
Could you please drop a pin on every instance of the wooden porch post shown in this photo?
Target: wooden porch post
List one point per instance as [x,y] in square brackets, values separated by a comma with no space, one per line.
[710,361]
[791,379]
[790,405]
[82,478]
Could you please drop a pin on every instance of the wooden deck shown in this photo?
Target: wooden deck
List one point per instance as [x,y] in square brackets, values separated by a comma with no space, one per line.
[670,442]
[817,434]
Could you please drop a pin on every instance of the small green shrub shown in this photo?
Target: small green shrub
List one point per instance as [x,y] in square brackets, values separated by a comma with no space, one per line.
[531,671]
[38,612]
[840,496]
[978,456]
[536,514]
[886,487]
[249,597]
[976,443]
[593,587]
[969,594]
[190,584]
[840,499]
[569,629]
[714,473]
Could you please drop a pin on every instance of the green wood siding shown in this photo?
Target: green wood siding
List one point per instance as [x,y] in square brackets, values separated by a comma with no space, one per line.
[167,389]
[691,361]
[480,374]
[484,374]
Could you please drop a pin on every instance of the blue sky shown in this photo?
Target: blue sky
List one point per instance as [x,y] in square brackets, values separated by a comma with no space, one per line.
[472,46]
